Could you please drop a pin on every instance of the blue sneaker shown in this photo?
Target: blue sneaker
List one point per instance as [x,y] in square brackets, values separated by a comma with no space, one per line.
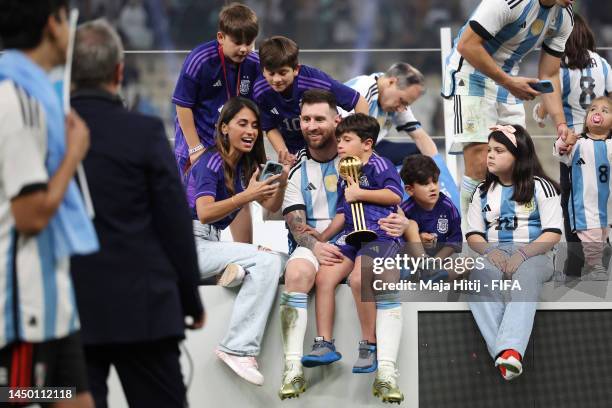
[323,353]
[366,362]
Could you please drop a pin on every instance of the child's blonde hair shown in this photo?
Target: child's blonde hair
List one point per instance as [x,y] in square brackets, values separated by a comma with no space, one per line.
[585,128]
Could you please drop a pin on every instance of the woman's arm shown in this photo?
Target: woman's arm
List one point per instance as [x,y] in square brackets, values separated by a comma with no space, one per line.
[209,210]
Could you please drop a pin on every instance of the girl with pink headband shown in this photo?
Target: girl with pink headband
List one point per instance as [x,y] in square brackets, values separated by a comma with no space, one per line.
[514,219]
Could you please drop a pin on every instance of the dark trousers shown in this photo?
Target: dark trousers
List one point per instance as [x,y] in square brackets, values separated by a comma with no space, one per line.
[575,255]
[150,373]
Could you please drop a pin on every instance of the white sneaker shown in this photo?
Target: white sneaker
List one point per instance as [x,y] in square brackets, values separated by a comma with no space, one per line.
[233,275]
[245,366]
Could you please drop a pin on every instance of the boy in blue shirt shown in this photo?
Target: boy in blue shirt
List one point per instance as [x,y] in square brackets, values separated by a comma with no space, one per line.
[278,93]
[438,219]
[212,73]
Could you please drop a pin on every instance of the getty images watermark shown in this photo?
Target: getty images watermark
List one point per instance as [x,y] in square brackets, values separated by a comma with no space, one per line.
[448,274]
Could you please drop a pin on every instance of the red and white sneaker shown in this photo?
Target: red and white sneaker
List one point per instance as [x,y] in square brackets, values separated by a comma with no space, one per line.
[245,366]
[510,365]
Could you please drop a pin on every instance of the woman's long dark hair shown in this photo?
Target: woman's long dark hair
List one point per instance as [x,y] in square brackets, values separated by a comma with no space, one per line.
[526,167]
[251,160]
[578,45]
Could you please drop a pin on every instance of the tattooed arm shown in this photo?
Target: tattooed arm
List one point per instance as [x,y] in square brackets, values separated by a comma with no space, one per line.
[326,253]
[296,222]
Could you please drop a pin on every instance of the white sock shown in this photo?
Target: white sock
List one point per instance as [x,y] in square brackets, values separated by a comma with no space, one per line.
[388,332]
[294,317]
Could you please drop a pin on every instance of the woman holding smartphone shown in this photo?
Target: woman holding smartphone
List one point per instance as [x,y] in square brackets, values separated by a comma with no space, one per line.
[219,184]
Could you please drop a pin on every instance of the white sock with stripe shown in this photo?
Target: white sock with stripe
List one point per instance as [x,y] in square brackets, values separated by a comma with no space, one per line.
[294,317]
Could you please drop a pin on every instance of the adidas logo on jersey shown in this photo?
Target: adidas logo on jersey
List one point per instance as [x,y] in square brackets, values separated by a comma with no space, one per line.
[311,187]
[461,82]
[217,84]
[486,208]
[274,111]
[580,162]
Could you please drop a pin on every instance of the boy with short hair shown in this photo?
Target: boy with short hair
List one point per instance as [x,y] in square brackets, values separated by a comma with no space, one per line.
[279,89]
[437,217]
[379,189]
[212,73]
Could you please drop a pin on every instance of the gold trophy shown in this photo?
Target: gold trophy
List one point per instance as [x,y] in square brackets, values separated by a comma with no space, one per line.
[350,166]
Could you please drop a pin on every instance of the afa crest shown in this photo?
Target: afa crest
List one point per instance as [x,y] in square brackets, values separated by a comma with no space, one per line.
[442,226]
[363,181]
[245,84]
[530,206]
[331,183]
[537,27]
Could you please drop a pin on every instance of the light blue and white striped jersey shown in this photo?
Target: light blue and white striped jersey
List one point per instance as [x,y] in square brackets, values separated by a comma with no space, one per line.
[496,217]
[37,301]
[312,187]
[367,86]
[580,86]
[589,162]
[511,29]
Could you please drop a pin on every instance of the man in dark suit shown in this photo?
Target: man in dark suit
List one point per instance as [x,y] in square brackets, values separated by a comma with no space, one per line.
[136,293]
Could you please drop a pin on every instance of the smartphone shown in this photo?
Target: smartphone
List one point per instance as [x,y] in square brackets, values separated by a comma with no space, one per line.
[270,169]
[542,86]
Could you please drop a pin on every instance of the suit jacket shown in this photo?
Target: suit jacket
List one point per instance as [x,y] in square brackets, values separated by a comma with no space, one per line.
[144,279]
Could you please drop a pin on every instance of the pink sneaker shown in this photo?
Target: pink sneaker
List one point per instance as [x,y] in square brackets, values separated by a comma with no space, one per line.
[246,367]
[232,276]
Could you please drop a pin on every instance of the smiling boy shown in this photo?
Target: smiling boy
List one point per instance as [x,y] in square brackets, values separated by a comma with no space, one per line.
[278,92]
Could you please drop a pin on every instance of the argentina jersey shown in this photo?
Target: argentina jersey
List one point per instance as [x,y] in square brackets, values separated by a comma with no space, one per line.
[367,86]
[589,163]
[498,218]
[580,86]
[510,29]
[312,188]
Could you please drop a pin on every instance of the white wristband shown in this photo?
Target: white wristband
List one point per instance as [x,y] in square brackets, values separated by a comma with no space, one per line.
[196,149]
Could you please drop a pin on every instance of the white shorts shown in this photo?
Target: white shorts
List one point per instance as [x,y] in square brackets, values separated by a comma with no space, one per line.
[474,115]
[304,253]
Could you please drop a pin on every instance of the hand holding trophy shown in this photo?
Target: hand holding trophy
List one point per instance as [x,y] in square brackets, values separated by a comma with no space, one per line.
[350,167]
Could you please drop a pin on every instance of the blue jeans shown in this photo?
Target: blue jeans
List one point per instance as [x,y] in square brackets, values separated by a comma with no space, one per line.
[505,317]
[257,293]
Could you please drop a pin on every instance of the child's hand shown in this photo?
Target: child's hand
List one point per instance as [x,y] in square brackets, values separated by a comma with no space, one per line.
[286,158]
[428,239]
[316,234]
[513,263]
[571,138]
[498,258]
[352,193]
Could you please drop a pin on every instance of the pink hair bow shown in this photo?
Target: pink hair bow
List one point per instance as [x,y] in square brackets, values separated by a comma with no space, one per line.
[507,130]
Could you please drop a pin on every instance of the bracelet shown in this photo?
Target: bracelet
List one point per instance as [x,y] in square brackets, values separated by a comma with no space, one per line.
[523,254]
[234,202]
[196,149]
[489,249]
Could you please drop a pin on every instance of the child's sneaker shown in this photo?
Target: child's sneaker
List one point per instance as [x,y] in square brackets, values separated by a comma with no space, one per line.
[323,353]
[366,361]
[232,275]
[510,365]
[245,366]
